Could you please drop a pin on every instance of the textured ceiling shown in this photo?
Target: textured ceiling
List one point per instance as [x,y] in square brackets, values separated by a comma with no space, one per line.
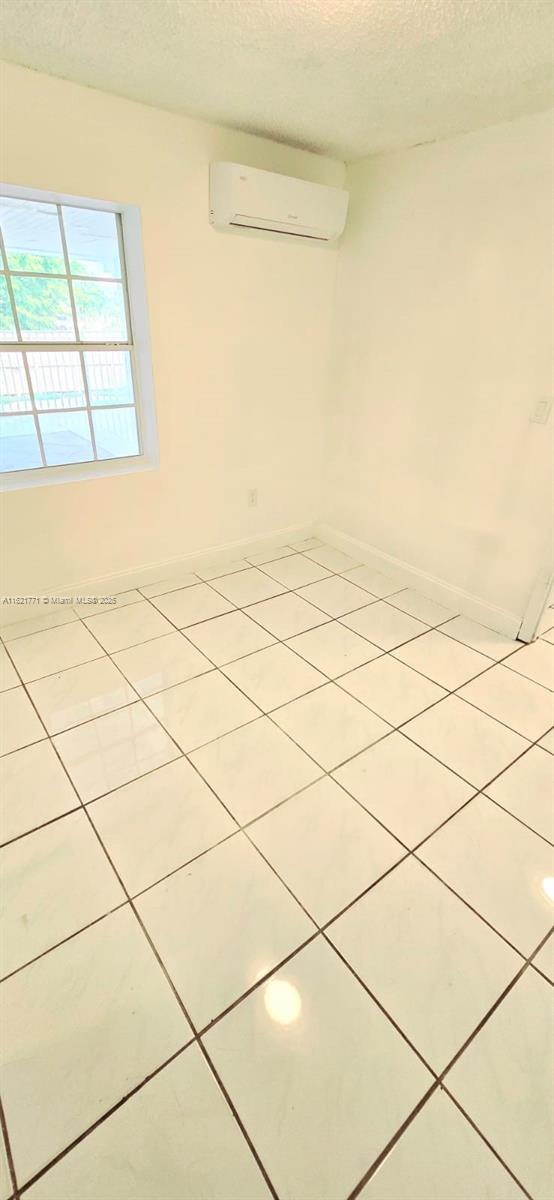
[346,77]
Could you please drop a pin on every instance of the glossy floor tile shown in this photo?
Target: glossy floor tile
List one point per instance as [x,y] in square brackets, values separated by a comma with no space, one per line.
[240,922]
[341,892]
[274,676]
[330,725]
[431,962]
[392,690]
[544,960]
[108,752]
[79,694]
[19,724]
[128,626]
[175,1138]
[485,641]
[504,1082]
[373,581]
[547,742]
[499,867]
[384,625]
[516,701]
[468,741]
[421,607]
[99,1015]
[154,825]
[335,595]
[54,650]
[296,571]
[254,768]
[34,789]
[54,881]
[8,674]
[440,1157]
[273,554]
[247,587]
[333,649]
[526,789]
[286,615]
[325,847]
[442,659]
[6,1185]
[156,665]
[230,636]
[333,559]
[404,788]
[202,709]
[536,662]
[189,605]
[302,1050]
[51,618]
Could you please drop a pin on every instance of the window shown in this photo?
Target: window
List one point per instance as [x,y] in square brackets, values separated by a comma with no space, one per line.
[75,379]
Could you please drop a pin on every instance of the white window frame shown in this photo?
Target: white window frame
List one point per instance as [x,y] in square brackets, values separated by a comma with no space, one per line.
[138,346]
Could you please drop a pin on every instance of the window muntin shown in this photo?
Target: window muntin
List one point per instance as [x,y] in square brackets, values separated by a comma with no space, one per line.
[68,389]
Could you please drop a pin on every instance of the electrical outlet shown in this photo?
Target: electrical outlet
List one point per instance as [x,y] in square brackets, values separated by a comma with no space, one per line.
[541,411]
[252,500]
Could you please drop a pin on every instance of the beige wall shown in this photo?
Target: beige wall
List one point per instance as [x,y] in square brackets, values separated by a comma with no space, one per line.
[240,328]
[440,338]
[444,326]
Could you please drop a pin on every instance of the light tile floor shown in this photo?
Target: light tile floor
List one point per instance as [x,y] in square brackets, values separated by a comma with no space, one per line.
[277,893]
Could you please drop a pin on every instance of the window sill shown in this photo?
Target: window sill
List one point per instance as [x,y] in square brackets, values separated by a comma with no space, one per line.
[12,481]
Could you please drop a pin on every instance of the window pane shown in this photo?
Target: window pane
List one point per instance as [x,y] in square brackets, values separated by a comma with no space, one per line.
[115,431]
[100,311]
[7,327]
[32,235]
[92,245]
[109,376]
[19,448]
[57,379]
[66,438]
[43,309]
[14,393]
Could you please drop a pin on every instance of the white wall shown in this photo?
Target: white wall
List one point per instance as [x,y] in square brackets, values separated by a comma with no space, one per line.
[444,344]
[240,328]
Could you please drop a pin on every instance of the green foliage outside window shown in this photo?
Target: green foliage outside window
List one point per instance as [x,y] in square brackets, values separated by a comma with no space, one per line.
[42,303]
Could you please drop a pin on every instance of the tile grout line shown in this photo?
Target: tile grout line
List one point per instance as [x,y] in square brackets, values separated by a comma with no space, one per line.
[439,1083]
[260,816]
[398,729]
[104,1117]
[321,931]
[383,652]
[327,773]
[175,993]
[437,1087]
[9,1155]
[285,642]
[334,679]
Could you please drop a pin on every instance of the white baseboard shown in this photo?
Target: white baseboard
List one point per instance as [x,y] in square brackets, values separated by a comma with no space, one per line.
[453,597]
[121,581]
[437,589]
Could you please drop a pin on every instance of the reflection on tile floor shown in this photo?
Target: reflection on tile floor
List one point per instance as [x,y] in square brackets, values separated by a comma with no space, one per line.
[276,917]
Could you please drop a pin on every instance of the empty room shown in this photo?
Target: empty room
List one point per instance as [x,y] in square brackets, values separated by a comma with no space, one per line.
[276,599]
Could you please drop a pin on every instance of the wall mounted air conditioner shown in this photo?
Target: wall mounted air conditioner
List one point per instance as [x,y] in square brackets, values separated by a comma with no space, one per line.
[252,199]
